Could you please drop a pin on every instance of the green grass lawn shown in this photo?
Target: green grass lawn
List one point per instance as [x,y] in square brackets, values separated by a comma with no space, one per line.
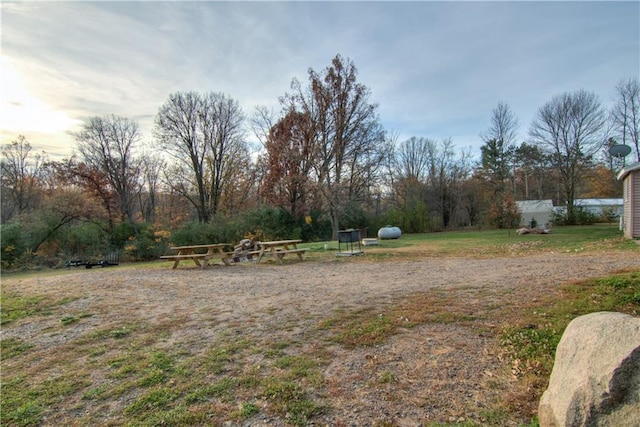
[476,243]
[489,243]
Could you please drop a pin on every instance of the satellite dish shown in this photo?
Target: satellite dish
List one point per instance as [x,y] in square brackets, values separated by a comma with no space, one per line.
[619,150]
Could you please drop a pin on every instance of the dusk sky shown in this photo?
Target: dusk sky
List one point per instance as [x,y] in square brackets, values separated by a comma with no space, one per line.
[436,69]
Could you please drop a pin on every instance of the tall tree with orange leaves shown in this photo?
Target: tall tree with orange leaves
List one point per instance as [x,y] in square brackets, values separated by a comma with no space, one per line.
[289,157]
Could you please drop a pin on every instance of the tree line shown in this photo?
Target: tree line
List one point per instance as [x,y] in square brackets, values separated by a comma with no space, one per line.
[325,162]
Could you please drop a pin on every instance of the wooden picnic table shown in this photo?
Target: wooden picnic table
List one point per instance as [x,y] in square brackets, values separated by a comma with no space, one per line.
[279,248]
[200,254]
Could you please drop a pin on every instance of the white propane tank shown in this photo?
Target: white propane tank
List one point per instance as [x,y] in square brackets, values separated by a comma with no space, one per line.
[389,232]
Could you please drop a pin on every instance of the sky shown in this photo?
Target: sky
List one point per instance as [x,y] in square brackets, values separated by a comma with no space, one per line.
[435,69]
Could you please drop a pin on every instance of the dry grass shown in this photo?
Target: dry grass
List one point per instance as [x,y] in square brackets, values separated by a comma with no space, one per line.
[145,345]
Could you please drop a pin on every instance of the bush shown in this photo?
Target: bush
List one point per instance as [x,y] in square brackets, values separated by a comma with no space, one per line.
[584,217]
[122,233]
[581,216]
[197,233]
[353,217]
[268,223]
[148,244]
[13,244]
[415,219]
[264,223]
[504,213]
[83,241]
[609,215]
[315,227]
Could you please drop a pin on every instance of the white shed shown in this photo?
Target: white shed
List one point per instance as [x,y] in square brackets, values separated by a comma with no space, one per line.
[630,177]
[601,207]
[539,210]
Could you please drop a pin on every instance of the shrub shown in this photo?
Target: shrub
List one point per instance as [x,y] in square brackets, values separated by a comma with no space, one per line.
[83,240]
[13,243]
[148,244]
[581,216]
[197,233]
[505,213]
[268,223]
[315,227]
[265,223]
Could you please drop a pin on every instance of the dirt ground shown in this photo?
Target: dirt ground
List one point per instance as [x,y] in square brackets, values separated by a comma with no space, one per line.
[441,372]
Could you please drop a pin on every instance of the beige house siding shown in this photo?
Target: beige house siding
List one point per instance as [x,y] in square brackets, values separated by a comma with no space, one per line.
[626,209]
[630,177]
[634,203]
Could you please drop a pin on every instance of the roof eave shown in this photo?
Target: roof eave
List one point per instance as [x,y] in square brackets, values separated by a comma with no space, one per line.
[627,170]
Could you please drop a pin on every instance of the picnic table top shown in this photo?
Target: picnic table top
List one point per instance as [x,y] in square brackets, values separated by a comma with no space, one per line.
[280,242]
[211,245]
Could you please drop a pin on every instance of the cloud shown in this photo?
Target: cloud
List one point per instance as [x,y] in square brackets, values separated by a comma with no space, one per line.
[436,69]
[21,111]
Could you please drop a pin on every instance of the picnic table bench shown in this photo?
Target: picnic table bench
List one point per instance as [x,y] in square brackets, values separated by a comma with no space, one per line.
[199,254]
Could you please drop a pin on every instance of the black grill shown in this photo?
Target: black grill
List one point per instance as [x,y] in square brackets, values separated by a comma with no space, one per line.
[349,237]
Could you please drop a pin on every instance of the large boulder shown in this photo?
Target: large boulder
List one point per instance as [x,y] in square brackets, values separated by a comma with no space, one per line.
[596,376]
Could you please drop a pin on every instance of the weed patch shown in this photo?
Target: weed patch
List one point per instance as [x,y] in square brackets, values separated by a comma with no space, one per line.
[157,370]
[95,393]
[222,389]
[362,328]
[288,399]
[12,347]
[16,306]
[23,401]
[68,320]
[152,400]
[299,366]
[247,410]
[27,414]
[531,349]
[111,333]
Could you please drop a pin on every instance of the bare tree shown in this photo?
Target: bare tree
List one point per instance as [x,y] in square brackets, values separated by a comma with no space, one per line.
[570,128]
[151,172]
[413,157]
[21,170]
[409,173]
[177,130]
[107,145]
[626,113]
[262,121]
[504,125]
[205,136]
[221,126]
[460,203]
[350,140]
[429,183]
[446,172]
